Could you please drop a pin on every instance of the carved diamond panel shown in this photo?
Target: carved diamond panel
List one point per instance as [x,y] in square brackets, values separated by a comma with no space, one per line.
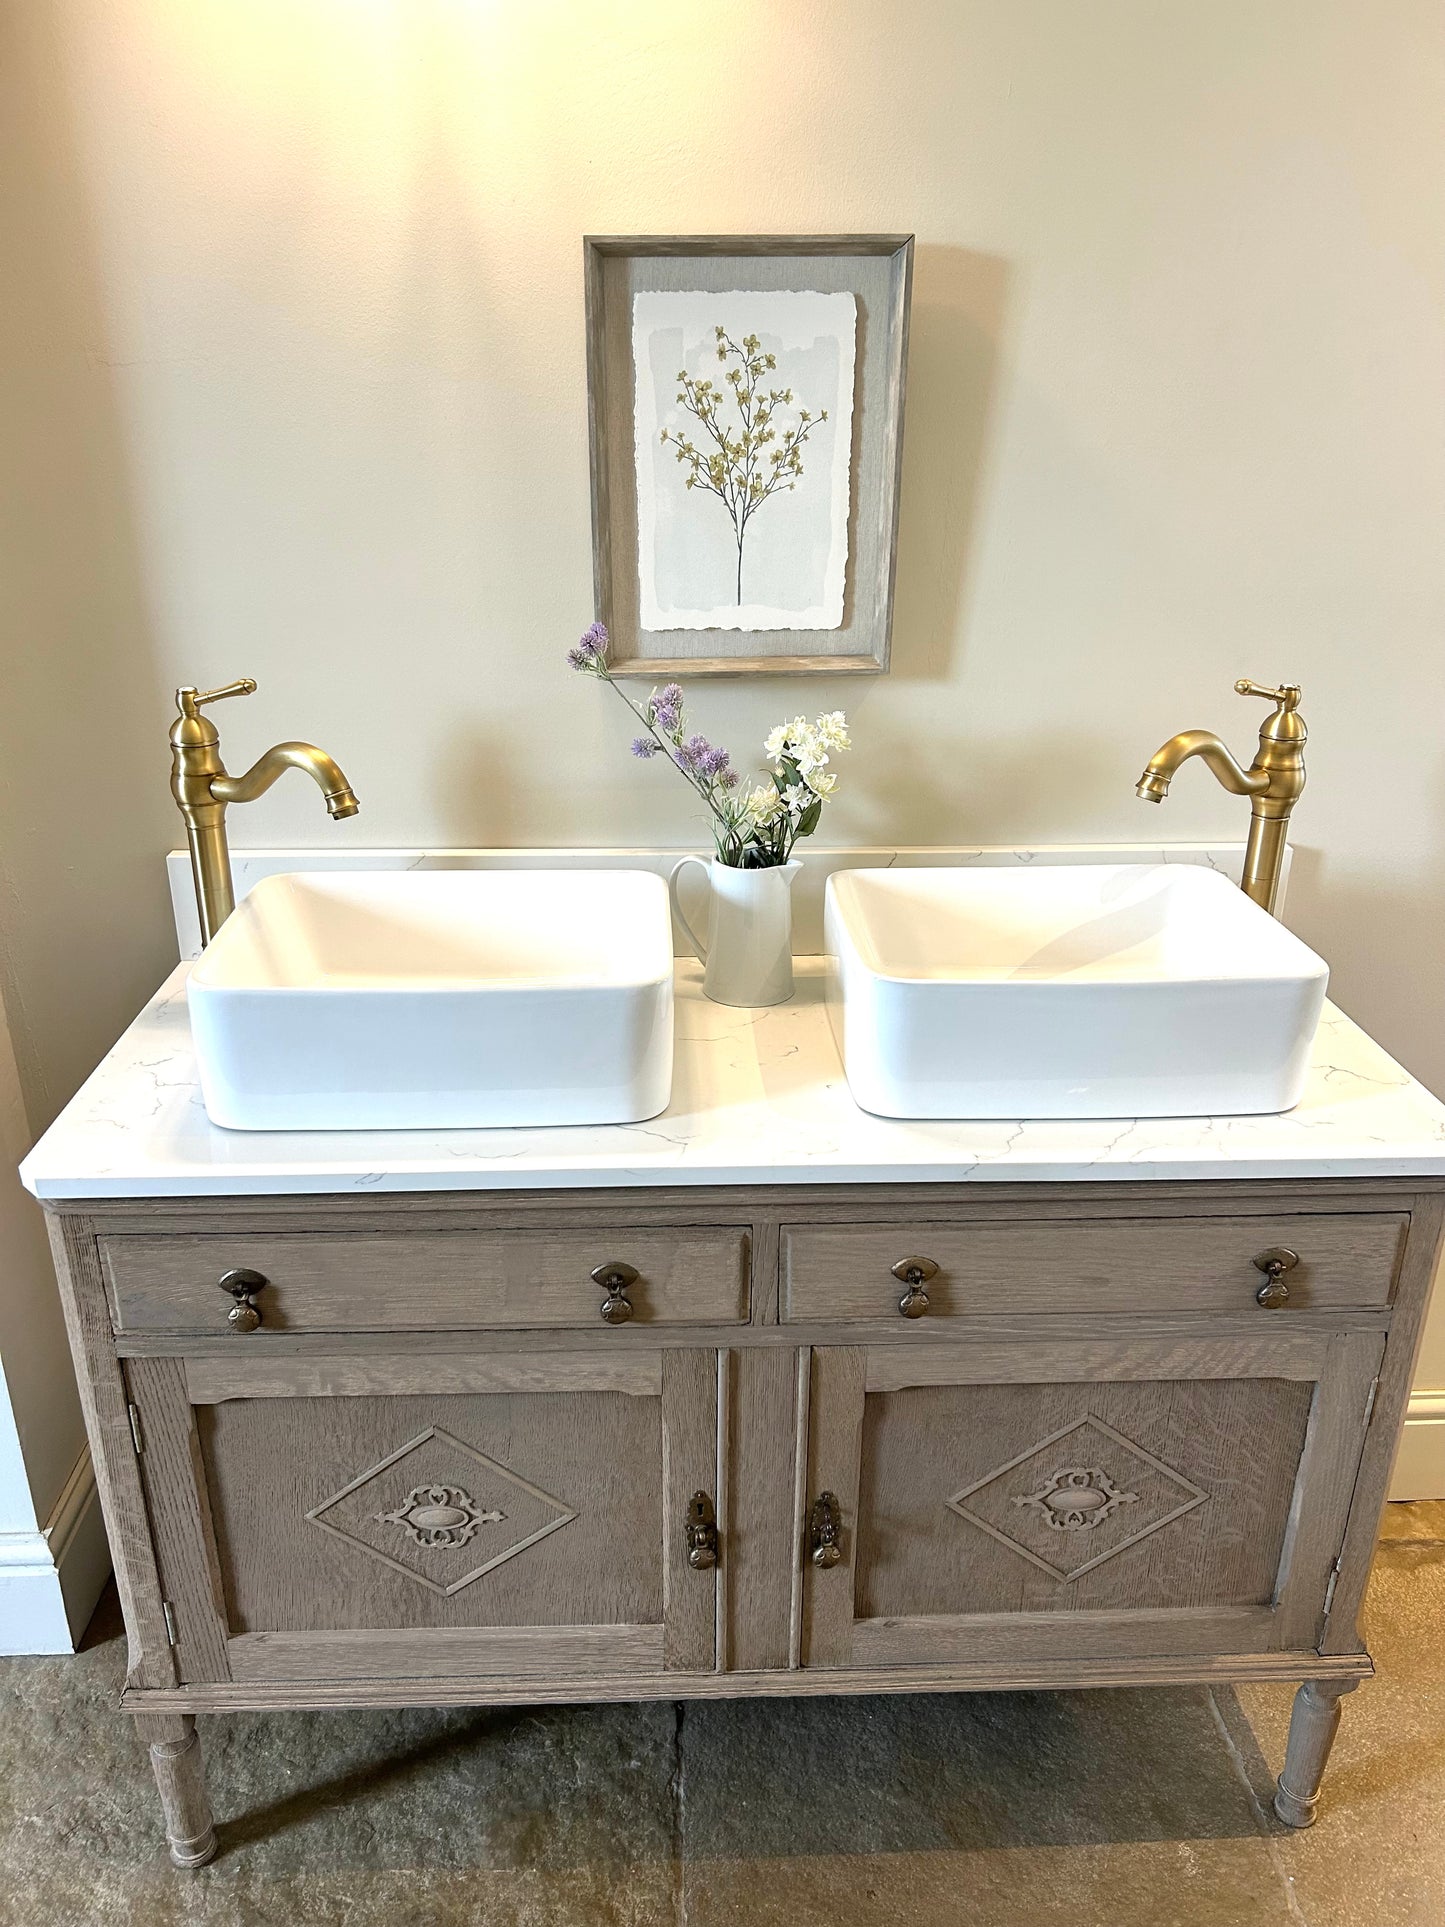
[440,1511]
[1077,1498]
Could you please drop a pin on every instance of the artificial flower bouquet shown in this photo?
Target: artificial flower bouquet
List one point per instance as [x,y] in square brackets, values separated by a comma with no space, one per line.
[755,830]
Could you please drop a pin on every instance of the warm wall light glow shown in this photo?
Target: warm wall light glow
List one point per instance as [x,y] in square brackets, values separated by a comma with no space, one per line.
[422,170]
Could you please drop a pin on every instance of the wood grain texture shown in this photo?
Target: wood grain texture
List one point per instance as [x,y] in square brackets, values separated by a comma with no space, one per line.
[1307,1329]
[1382,1440]
[304,1494]
[1024,1674]
[180,1775]
[1328,1472]
[179,1509]
[1187,1264]
[1208,1470]
[971,1638]
[689,1465]
[758,1574]
[878,269]
[243,1373]
[835,1434]
[442,1281]
[1314,1722]
[448,1653]
[104,1404]
[1288,1353]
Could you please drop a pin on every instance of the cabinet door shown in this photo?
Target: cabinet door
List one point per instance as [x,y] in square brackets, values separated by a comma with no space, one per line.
[402,1517]
[1081,1499]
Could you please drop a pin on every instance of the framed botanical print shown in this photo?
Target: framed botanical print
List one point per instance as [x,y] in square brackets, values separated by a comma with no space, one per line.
[745,404]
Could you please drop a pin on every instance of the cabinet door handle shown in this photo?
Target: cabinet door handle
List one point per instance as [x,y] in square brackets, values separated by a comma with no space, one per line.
[615,1279]
[1274,1261]
[701,1533]
[915,1273]
[243,1284]
[824,1528]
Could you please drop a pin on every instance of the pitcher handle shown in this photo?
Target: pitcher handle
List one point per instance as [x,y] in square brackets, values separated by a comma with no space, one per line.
[690,936]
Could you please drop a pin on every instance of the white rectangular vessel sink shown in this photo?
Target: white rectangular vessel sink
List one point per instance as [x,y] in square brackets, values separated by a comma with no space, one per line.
[1121,990]
[433,1000]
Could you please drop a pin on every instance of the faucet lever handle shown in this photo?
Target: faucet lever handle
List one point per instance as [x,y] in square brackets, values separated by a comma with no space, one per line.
[245,687]
[189,700]
[1287,695]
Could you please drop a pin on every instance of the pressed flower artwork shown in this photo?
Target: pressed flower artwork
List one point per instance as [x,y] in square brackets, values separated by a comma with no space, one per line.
[743,437]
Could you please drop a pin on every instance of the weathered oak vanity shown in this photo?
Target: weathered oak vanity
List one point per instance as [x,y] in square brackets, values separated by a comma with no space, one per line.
[767,1396]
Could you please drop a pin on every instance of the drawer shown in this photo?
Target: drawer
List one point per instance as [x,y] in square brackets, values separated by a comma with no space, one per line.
[842,1271]
[427,1280]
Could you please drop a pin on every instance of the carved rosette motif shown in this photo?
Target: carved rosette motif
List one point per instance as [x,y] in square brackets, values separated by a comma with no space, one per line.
[440,1511]
[1077,1498]
[439,1515]
[1086,1489]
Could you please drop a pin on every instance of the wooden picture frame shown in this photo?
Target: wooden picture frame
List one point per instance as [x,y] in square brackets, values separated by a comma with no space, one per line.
[877,269]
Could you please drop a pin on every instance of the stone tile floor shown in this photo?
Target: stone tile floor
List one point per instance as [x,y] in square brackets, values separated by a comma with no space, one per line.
[1127,1809]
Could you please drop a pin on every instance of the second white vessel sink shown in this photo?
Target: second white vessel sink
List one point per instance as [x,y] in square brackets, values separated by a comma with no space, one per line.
[1129,990]
[429,1000]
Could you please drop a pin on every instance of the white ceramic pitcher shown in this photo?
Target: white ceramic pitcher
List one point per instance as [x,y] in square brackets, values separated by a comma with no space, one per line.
[748,956]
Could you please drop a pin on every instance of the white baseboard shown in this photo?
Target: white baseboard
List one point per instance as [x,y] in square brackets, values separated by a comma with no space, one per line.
[1420,1467]
[51,1579]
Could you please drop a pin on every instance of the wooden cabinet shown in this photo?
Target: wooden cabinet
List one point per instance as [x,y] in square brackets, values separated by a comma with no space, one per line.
[377,1518]
[1044,1500]
[432,1473]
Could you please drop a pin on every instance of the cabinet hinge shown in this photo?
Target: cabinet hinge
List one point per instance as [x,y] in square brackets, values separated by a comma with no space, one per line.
[135,1431]
[1370,1401]
[1334,1580]
[171,1633]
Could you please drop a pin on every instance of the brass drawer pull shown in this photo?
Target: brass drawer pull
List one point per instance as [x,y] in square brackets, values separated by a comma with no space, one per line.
[915,1273]
[615,1279]
[824,1527]
[1274,1261]
[243,1284]
[701,1533]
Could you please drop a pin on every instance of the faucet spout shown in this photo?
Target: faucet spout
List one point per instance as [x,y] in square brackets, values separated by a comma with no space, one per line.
[323,770]
[1153,785]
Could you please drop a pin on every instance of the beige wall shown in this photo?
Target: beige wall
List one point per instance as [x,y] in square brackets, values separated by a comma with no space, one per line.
[302,373]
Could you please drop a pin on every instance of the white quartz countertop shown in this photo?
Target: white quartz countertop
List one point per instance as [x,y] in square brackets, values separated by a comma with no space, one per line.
[759,1097]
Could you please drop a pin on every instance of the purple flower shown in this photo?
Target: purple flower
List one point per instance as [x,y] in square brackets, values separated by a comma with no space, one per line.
[591,648]
[643,747]
[667,707]
[714,763]
[691,753]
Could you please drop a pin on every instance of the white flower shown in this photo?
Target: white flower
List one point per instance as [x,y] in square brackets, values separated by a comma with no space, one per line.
[833,730]
[764,804]
[796,799]
[822,785]
[780,739]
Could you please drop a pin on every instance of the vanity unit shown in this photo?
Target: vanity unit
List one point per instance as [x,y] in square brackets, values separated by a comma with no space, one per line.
[765,1396]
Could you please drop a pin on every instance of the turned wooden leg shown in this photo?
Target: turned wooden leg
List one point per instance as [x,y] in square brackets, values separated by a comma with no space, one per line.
[181,1778]
[1312,1727]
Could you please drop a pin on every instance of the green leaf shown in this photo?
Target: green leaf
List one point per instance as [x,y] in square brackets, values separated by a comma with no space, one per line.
[808,821]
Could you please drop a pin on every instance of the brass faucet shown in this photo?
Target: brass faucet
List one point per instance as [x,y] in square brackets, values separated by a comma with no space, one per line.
[1273,782]
[202,790]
